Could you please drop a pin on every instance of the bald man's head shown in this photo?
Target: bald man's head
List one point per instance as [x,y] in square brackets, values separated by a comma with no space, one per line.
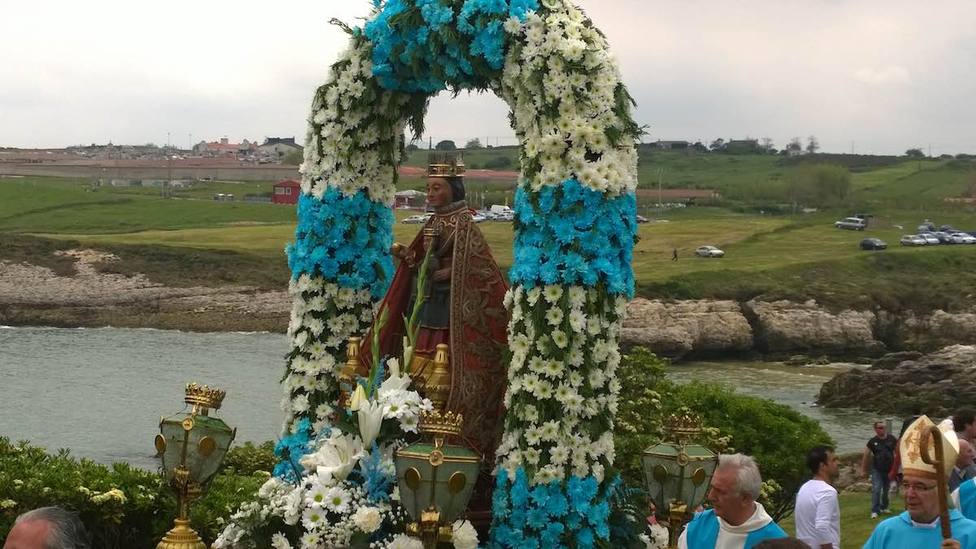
[966,454]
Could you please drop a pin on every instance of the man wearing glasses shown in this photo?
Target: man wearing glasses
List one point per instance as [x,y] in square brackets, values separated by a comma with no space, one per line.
[919,526]
[879,455]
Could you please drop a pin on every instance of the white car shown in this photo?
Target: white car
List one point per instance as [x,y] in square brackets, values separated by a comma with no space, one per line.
[929,238]
[963,238]
[709,251]
[478,218]
[912,240]
[415,219]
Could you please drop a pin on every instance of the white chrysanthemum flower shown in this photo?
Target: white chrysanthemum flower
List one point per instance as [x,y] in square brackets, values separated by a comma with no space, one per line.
[311,540]
[560,338]
[552,293]
[559,454]
[279,541]
[554,316]
[315,496]
[532,296]
[367,519]
[337,499]
[530,413]
[464,535]
[313,518]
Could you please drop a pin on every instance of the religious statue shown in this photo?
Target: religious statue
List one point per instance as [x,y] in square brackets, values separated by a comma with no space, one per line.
[462,291]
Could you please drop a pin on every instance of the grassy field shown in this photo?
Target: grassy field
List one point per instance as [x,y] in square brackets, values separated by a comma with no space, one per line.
[769,256]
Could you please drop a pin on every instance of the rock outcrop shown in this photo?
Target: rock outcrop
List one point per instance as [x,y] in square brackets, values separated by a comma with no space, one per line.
[936,383]
[693,327]
[936,330]
[788,327]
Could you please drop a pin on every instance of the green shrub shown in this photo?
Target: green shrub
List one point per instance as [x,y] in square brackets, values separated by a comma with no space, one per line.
[774,434]
[121,506]
[248,459]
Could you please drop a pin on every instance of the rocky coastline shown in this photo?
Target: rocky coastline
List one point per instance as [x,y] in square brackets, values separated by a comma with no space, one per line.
[678,329]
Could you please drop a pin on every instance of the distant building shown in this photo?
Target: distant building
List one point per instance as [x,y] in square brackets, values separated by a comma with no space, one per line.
[286,192]
[672,145]
[743,146]
[224,148]
[409,199]
[278,147]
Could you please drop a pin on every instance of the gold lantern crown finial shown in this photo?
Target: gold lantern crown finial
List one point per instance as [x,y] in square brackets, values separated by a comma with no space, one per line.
[684,425]
[445,164]
[435,422]
[203,396]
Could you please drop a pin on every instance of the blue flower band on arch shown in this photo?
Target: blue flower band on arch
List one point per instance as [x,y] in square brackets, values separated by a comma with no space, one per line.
[345,239]
[537,516]
[415,48]
[573,235]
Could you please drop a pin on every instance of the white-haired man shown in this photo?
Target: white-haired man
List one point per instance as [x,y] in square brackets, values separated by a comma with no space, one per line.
[736,520]
[47,528]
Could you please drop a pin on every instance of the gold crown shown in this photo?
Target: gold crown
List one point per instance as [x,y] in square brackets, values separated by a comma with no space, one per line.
[683,425]
[203,396]
[436,423]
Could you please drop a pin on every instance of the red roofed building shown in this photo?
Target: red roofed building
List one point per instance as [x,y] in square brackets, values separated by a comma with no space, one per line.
[224,148]
[286,192]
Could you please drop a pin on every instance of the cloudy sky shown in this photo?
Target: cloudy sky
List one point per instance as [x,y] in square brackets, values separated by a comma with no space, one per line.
[872,76]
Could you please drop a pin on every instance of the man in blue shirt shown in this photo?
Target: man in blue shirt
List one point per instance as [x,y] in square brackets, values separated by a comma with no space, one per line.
[736,520]
[920,525]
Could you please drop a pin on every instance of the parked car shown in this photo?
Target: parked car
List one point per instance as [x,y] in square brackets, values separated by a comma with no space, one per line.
[851,223]
[478,218]
[873,244]
[930,239]
[926,227]
[709,251]
[963,238]
[415,219]
[943,237]
[949,229]
[641,219]
[912,240]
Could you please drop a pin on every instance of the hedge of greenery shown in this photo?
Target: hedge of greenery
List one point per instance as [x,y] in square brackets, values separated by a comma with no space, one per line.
[121,506]
[776,435]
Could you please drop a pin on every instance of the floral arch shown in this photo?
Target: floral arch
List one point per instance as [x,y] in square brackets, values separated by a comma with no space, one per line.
[575,224]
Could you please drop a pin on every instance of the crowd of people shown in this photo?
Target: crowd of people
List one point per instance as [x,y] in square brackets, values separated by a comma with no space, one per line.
[736,520]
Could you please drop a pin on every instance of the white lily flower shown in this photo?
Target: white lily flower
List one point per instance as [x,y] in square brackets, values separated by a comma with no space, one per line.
[358,398]
[336,457]
[370,416]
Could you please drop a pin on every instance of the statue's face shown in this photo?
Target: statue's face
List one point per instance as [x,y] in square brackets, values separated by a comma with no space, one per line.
[438,192]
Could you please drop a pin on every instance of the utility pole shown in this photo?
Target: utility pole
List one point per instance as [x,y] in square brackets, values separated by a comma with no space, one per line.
[660,177]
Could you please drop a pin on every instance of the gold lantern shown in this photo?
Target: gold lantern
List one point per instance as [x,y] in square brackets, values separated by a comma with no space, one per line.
[677,472]
[192,445]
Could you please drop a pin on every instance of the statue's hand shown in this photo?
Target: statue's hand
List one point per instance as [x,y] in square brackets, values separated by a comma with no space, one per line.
[440,275]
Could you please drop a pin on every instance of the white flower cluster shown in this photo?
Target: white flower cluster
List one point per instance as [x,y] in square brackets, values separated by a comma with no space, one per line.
[323,316]
[561,380]
[328,507]
[330,512]
[562,84]
[355,130]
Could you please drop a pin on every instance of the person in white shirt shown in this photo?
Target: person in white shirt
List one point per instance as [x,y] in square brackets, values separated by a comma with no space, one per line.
[817,511]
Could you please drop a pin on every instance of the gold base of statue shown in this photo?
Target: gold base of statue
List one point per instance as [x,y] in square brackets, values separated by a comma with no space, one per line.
[181,536]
